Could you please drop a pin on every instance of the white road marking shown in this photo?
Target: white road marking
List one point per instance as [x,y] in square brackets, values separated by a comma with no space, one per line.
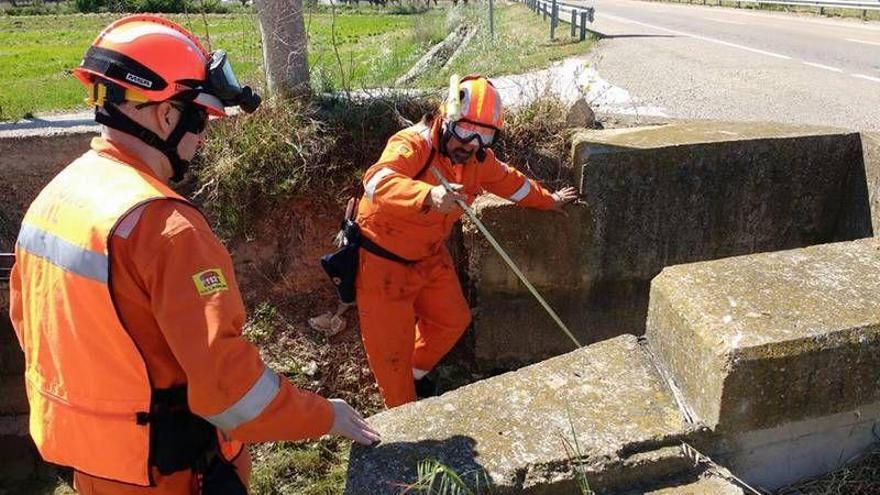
[724,21]
[869,78]
[826,67]
[696,36]
[782,17]
[863,42]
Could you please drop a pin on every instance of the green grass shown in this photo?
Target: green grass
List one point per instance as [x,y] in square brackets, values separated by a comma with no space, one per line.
[372,48]
[302,468]
[522,43]
[37,52]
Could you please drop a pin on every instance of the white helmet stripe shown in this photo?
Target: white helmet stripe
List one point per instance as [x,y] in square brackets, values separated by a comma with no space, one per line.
[127,33]
[465,100]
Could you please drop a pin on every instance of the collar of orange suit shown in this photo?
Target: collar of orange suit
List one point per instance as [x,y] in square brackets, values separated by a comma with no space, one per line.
[117,153]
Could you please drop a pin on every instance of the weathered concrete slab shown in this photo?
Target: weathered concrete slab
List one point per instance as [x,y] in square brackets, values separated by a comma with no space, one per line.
[685,192]
[871,160]
[510,327]
[510,429]
[652,197]
[27,163]
[709,485]
[777,352]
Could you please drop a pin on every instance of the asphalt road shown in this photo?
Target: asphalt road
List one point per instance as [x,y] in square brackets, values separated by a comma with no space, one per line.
[718,63]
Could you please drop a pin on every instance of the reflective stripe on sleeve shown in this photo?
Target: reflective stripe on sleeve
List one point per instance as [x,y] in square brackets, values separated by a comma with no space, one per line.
[522,192]
[373,183]
[251,404]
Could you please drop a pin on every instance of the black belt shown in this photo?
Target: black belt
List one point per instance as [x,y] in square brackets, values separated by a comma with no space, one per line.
[382,252]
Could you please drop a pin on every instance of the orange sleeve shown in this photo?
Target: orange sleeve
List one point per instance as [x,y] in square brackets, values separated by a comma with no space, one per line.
[197,305]
[15,308]
[390,183]
[509,183]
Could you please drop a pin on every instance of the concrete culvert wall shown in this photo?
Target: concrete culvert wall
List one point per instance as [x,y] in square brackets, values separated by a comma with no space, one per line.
[658,196]
[768,363]
[27,162]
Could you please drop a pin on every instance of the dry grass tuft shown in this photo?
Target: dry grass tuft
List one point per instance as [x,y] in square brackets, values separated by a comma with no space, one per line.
[860,477]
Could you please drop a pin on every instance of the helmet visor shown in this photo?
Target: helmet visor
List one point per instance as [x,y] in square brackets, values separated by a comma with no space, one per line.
[223,84]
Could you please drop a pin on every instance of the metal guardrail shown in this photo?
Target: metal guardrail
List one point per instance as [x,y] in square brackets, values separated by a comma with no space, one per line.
[817,4]
[823,4]
[577,16]
[6,262]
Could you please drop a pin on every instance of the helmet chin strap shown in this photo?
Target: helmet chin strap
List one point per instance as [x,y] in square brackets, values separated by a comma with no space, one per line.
[110,116]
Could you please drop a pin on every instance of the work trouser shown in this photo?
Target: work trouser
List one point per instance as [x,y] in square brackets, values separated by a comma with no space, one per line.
[410,317]
[179,483]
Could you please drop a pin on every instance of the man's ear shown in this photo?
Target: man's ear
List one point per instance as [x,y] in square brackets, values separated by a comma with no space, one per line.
[166,117]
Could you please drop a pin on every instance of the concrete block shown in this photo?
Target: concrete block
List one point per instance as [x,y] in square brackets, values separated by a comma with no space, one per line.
[13,398]
[27,163]
[678,193]
[778,352]
[6,332]
[709,485]
[510,430]
[871,162]
[11,358]
[14,425]
[510,327]
[18,455]
[653,197]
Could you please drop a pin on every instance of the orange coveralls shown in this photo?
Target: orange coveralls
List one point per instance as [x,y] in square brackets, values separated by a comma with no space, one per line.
[187,338]
[412,315]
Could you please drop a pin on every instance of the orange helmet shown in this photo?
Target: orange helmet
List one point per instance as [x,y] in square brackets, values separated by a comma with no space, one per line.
[476,101]
[153,59]
[148,59]
[472,112]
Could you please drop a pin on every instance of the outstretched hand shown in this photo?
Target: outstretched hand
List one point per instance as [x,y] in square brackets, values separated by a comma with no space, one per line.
[350,424]
[562,197]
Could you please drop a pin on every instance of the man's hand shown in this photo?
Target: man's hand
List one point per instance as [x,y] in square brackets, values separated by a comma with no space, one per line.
[442,200]
[350,424]
[562,197]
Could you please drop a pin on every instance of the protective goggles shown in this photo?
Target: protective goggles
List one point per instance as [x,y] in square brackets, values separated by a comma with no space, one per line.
[223,84]
[467,131]
[194,118]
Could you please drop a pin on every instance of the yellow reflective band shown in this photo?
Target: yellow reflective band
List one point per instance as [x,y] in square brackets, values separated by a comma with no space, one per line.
[98,95]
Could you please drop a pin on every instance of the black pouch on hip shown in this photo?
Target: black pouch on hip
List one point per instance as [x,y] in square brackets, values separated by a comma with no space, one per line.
[342,265]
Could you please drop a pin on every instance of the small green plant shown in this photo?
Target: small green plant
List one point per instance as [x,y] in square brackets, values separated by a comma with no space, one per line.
[577,459]
[263,323]
[306,468]
[436,478]
[88,6]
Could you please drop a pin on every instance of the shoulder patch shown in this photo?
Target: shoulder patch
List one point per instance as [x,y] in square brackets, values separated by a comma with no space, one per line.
[210,282]
[404,149]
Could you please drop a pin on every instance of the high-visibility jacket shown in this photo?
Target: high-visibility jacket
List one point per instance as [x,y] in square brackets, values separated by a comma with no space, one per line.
[88,384]
[392,212]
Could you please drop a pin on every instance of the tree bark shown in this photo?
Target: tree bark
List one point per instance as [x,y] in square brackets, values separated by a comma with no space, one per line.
[285,55]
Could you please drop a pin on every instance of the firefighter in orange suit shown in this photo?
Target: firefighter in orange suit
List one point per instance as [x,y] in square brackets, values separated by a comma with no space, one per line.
[125,302]
[410,304]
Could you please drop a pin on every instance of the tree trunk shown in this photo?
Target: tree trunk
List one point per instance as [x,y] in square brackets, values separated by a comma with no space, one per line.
[285,55]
